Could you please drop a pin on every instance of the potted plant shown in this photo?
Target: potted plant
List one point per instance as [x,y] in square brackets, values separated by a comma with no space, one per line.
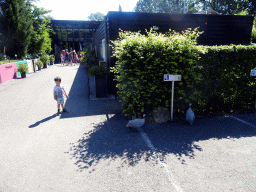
[89,58]
[23,69]
[44,59]
[51,58]
[39,64]
[100,73]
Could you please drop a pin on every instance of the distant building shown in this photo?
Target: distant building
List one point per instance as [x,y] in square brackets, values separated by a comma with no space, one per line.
[208,12]
[72,34]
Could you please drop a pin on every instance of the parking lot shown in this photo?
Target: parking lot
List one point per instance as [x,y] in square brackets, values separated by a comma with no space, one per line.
[90,148]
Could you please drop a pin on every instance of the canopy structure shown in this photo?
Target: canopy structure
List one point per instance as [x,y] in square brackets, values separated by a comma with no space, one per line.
[72,34]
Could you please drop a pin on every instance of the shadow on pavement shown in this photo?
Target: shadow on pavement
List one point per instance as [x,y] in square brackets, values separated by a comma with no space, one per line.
[112,140]
[180,138]
[43,120]
[78,104]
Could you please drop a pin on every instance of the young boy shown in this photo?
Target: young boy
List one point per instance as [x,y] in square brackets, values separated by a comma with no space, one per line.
[58,94]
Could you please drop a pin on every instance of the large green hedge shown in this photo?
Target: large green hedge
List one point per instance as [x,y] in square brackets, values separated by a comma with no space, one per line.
[142,62]
[226,82]
[214,79]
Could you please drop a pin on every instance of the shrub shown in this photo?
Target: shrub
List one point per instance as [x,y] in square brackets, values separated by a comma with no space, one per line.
[253,36]
[227,84]
[142,63]
[39,63]
[89,58]
[23,68]
[51,58]
[44,58]
[98,71]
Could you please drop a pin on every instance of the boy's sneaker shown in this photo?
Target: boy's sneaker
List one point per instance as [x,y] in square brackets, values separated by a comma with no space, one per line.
[58,111]
[64,110]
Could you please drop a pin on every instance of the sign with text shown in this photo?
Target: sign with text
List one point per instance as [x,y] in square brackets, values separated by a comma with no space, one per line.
[253,72]
[170,77]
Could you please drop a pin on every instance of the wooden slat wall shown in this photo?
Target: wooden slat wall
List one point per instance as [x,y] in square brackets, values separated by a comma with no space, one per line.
[218,29]
[98,36]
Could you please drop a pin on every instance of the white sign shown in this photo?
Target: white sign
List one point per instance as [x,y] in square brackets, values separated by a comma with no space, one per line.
[253,72]
[170,77]
[103,49]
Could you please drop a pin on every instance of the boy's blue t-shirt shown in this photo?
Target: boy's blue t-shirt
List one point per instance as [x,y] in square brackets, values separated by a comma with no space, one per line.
[59,91]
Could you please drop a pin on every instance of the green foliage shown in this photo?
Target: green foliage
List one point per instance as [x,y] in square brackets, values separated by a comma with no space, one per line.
[40,25]
[253,36]
[16,26]
[215,79]
[39,63]
[142,62]
[51,58]
[44,58]
[47,41]
[23,68]
[156,6]
[98,71]
[1,57]
[89,58]
[8,61]
[24,28]
[96,16]
[225,7]
[227,85]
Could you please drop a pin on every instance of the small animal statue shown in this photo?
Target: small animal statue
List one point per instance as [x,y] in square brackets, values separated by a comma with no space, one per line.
[190,116]
[136,123]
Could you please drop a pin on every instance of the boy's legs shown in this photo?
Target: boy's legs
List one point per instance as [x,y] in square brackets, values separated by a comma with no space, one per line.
[58,108]
[63,109]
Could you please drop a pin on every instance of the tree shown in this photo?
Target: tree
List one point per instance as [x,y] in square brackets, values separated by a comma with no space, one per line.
[39,36]
[96,17]
[120,8]
[228,7]
[163,6]
[16,26]
[47,41]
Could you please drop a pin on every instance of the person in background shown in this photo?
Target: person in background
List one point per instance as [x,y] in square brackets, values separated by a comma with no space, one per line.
[70,58]
[74,57]
[66,55]
[62,57]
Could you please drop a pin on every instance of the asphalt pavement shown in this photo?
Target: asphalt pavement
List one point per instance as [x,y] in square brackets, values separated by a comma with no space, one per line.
[90,149]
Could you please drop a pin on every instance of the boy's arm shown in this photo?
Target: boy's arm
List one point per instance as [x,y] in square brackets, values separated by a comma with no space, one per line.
[54,95]
[65,93]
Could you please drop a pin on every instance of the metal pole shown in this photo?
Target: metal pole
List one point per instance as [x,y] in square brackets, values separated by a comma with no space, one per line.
[172,100]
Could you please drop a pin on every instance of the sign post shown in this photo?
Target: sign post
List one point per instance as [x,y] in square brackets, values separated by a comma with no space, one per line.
[253,73]
[170,77]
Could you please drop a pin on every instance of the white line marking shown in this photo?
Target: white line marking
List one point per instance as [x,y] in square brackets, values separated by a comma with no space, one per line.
[160,160]
[242,121]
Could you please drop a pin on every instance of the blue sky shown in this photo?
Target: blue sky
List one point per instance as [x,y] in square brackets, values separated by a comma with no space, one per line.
[81,9]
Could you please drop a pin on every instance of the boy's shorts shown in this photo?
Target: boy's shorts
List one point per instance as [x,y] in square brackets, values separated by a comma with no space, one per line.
[60,100]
